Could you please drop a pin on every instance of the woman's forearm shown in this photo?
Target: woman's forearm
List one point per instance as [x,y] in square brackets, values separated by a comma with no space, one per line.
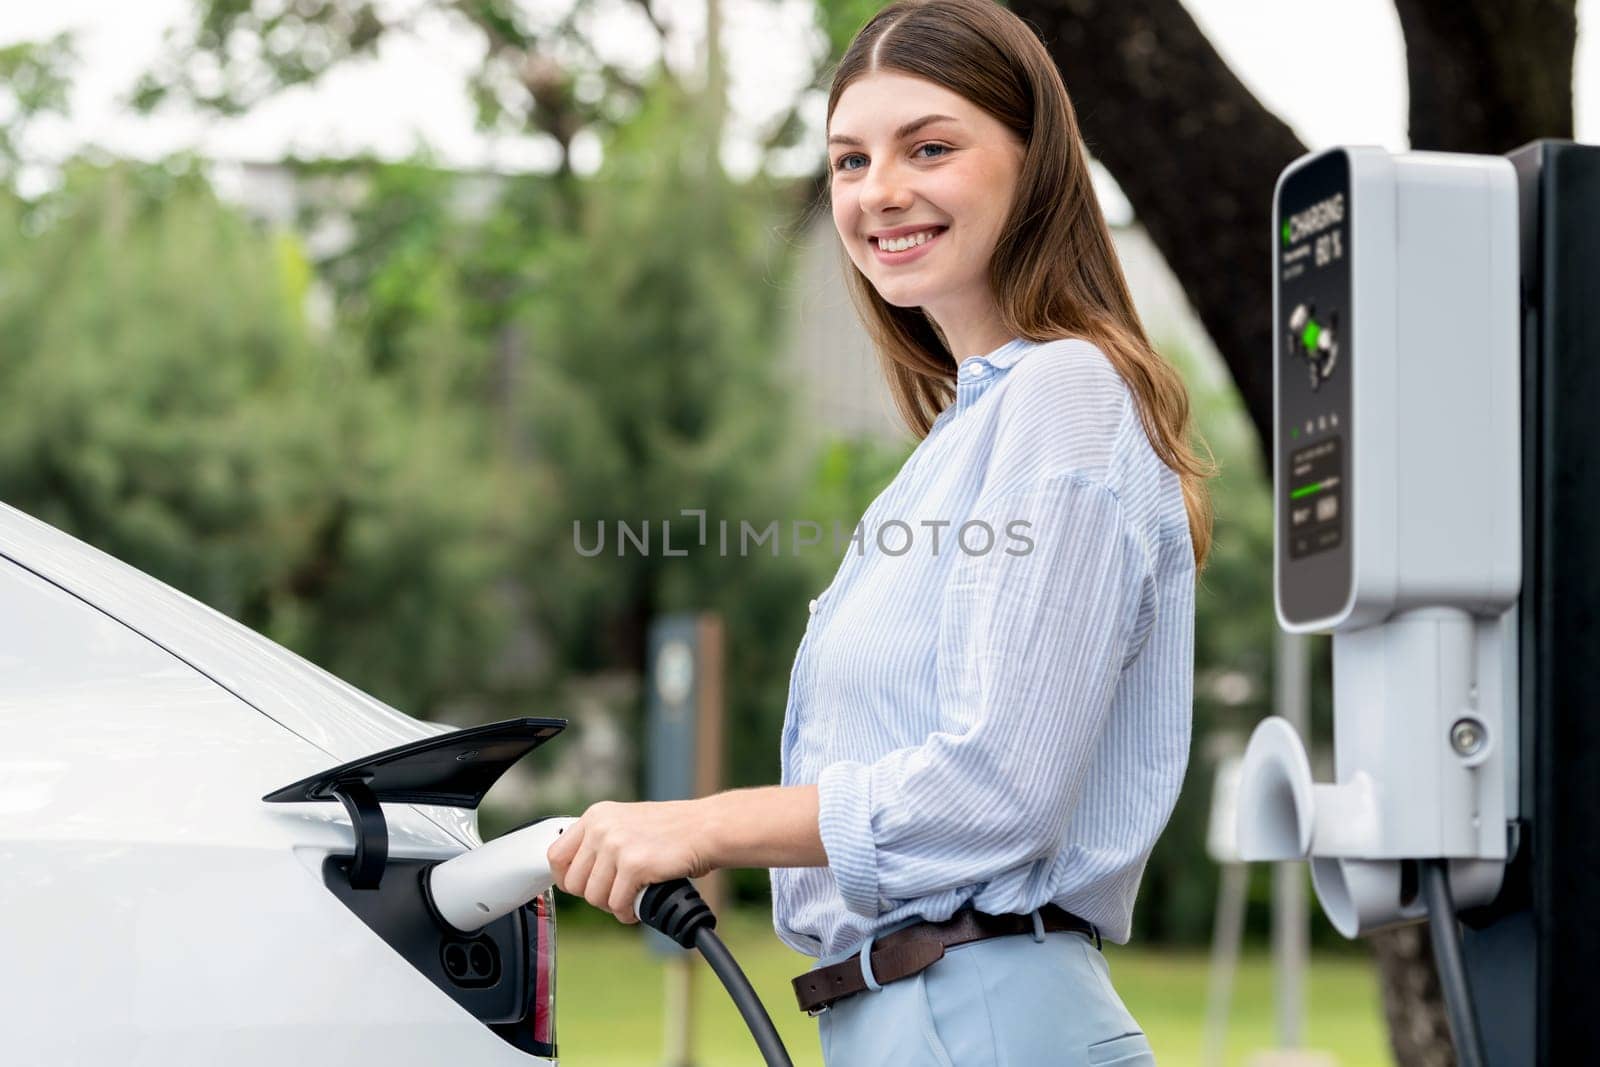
[768,826]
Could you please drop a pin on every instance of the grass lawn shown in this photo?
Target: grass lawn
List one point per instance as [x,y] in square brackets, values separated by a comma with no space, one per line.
[610,991]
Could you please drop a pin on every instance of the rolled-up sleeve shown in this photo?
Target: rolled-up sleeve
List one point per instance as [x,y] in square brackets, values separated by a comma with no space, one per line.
[1034,635]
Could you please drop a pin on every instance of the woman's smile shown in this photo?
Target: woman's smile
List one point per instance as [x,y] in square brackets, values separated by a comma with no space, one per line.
[892,251]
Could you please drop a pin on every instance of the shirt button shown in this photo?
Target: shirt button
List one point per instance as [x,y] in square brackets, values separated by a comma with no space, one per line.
[812,607]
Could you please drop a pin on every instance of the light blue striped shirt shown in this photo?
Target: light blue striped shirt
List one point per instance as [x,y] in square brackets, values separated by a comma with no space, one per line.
[1000,727]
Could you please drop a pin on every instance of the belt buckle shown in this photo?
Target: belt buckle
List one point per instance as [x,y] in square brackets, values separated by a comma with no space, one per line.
[814,1012]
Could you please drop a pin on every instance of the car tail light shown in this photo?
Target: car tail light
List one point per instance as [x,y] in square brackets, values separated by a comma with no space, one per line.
[543,915]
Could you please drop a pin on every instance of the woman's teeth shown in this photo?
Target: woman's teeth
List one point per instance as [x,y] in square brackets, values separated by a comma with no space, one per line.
[910,240]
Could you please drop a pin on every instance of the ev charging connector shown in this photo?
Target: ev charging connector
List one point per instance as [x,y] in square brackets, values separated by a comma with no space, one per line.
[500,876]
[1396,484]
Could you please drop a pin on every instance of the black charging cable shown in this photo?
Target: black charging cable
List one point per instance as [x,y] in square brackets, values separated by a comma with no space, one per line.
[676,909]
[1446,937]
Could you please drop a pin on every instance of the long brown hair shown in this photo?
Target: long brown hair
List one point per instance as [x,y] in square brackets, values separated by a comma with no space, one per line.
[1054,271]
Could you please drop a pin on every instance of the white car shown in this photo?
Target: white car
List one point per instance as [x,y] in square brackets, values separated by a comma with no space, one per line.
[156,910]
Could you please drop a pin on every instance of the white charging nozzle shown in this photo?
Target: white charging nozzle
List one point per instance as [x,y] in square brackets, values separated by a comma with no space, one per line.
[479,886]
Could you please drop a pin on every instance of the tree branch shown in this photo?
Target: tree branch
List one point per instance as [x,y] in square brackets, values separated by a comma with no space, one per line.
[649,13]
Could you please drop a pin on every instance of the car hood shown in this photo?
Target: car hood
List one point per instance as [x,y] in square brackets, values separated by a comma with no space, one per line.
[304,699]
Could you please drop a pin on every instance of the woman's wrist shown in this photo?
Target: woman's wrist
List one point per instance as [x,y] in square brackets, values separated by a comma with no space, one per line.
[717,836]
[768,826]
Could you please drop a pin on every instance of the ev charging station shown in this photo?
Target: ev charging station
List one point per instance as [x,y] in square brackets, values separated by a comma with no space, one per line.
[1435,382]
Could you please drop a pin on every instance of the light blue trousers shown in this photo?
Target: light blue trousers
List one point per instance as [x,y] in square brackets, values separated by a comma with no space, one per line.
[1013,1001]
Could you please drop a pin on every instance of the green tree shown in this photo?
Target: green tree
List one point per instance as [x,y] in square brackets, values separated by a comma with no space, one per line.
[167,401]
[543,73]
[626,355]
[652,390]
[34,82]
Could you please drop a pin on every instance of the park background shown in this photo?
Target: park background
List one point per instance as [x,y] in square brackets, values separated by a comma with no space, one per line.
[339,314]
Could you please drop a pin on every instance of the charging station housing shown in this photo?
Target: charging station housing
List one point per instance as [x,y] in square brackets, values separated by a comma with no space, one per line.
[1397,493]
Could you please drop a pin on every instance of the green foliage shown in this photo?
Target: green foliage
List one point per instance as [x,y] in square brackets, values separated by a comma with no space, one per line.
[34,81]
[850,473]
[167,401]
[240,54]
[651,392]
[400,285]
[537,75]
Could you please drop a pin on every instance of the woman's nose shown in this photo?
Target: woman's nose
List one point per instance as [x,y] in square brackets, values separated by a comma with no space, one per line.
[884,189]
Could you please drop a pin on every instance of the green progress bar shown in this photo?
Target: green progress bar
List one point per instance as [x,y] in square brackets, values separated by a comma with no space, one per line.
[1306,490]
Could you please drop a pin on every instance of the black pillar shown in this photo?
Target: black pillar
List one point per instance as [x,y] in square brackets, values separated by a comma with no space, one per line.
[1534,955]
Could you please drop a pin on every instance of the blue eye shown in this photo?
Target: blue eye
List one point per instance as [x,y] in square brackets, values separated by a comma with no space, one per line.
[841,163]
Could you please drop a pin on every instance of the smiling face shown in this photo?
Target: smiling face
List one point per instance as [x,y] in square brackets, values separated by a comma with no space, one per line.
[922,181]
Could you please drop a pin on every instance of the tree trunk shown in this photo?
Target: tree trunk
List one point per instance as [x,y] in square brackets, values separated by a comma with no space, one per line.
[1196,153]
[1488,75]
[1197,156]
[1413,1003]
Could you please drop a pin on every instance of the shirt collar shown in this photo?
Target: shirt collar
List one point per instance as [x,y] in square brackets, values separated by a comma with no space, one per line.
[1008,353]
[999,359]
[974,375]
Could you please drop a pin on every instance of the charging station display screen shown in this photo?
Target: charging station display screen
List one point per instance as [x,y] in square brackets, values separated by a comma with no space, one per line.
[1313,320]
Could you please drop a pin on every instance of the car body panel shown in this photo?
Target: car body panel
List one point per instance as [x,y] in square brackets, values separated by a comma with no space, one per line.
[156,910]
[340,720]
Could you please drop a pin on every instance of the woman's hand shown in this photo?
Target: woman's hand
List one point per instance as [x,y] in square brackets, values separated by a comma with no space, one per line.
[614,850]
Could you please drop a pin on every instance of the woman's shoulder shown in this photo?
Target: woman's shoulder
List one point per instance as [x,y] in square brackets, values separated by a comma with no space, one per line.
[1069,380]
[1068,362]
[1069,412]
[1065,410]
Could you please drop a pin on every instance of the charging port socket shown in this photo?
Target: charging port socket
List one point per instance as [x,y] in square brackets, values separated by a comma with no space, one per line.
[471,963]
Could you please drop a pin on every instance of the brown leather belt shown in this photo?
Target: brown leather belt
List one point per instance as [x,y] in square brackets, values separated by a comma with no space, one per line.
[905,952]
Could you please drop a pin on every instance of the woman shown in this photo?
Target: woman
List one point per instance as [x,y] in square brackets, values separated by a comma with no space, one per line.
[986,732]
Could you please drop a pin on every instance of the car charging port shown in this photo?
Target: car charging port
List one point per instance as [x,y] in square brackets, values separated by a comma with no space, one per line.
[471,964]
[503,972]
[500,967]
